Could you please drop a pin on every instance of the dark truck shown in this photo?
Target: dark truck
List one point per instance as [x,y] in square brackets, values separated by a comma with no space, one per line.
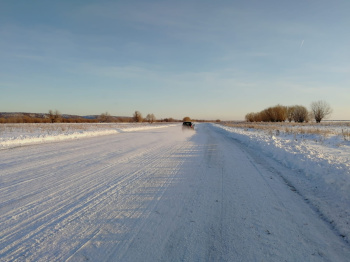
[187,125]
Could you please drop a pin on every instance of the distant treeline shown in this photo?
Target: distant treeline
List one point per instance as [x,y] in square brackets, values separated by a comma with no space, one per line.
[280,113]
[297,113]
[57,117]
[54,117]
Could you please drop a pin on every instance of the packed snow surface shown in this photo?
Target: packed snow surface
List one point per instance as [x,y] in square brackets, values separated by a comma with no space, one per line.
[139,193]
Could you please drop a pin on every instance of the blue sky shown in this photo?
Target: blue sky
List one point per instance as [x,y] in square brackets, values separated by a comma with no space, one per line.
[203,59]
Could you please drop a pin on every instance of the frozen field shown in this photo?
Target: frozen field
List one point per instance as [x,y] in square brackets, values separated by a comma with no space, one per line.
[13,135]
[156,193]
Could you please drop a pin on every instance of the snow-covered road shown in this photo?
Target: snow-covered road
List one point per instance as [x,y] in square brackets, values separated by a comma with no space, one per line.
[156,195]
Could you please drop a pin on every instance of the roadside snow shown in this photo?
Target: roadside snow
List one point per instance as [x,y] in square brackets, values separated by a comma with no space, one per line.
[13,135]
[322,165]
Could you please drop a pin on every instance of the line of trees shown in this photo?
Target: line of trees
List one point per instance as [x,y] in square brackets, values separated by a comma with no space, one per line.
[57,117]
[150,118]
[54,116]
[297,113]
[32,119]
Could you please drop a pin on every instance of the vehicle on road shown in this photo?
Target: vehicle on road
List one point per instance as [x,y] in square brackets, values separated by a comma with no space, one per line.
[187,125]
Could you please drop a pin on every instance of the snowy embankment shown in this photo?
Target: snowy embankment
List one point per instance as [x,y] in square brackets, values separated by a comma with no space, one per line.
[13,135]
[322,165]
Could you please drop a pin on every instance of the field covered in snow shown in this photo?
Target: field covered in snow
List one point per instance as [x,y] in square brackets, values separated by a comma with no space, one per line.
[141,192]
[13,135]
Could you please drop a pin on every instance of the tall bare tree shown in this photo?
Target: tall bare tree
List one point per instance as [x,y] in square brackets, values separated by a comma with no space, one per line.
[290,113]
[250,117]
[280,112]
[300,114]
[54,116]
[320,110]
[137,117]
[105,117]
[150,118]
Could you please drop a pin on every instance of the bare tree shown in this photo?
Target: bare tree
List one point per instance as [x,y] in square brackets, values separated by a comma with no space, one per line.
[105,117]
[150,118]
[186,119]
[280,112]
[250,117]
[255,117]
[137,117]
[275,114]
[54,116]
[290,113]
[300,114]
[320,109]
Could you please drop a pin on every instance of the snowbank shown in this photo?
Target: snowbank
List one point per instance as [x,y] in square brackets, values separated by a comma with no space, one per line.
[326,159]
[322,165]
[15,135]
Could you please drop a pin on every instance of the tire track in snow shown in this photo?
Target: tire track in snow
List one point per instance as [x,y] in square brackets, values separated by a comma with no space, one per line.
[28,163]
[142,211]
[64,211]
[153,168]
[71,208]
[58,160]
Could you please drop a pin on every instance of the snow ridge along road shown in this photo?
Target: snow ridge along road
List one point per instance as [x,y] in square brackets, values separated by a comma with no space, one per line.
[155,195]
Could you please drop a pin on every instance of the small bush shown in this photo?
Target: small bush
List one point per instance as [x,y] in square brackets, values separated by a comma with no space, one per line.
[346,135]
